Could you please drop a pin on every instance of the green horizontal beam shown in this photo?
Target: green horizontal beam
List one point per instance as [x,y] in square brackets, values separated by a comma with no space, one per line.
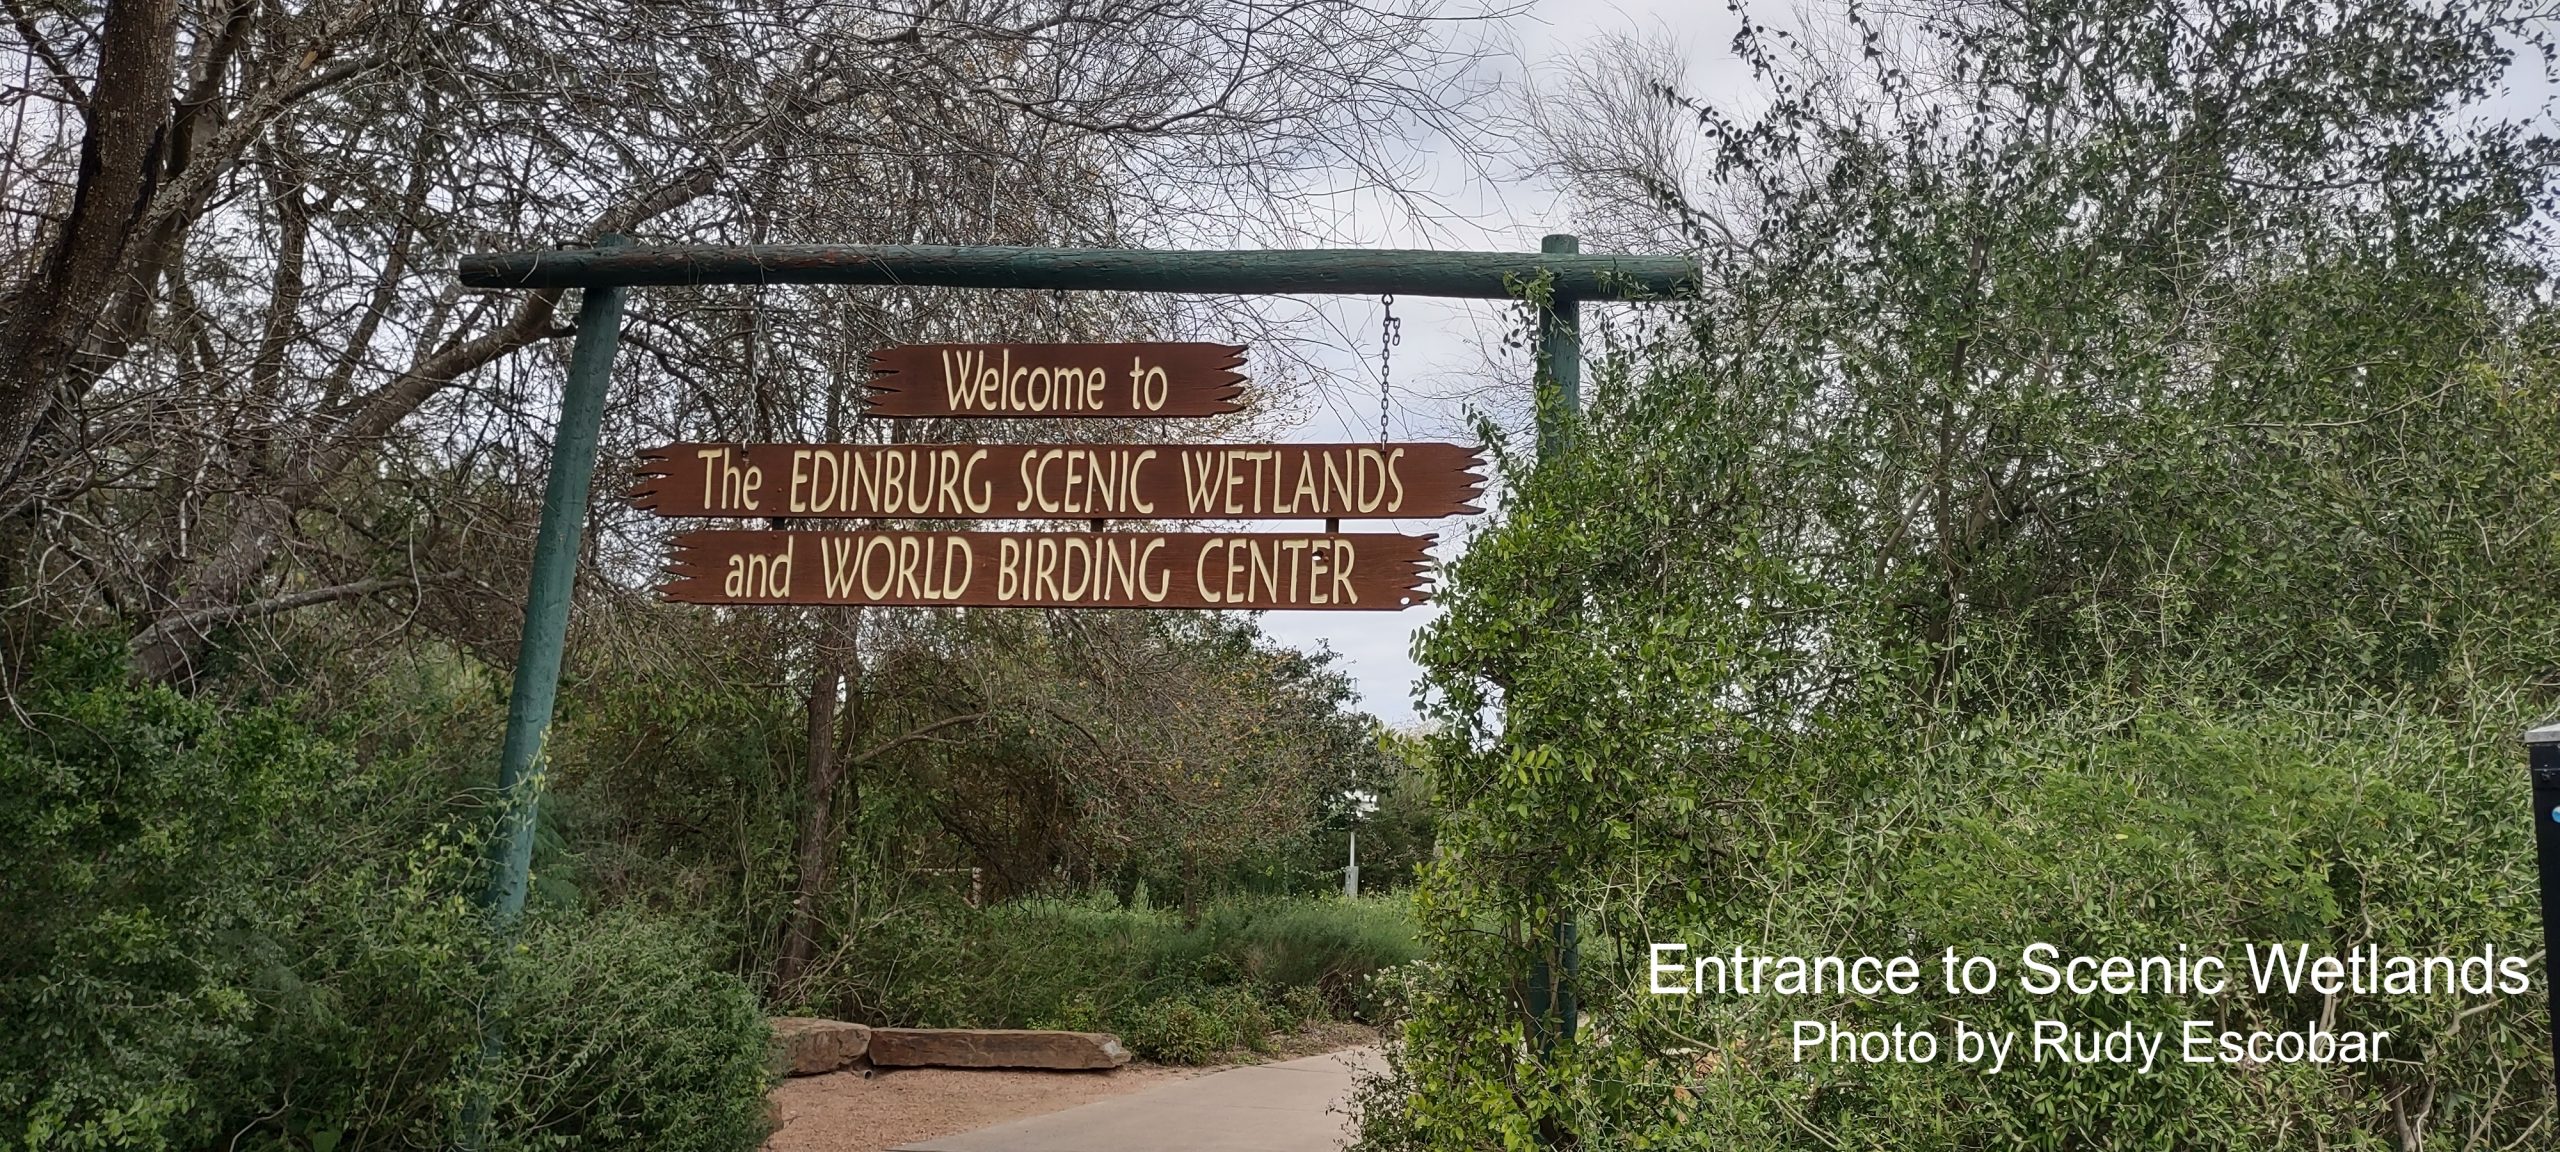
[1353,271]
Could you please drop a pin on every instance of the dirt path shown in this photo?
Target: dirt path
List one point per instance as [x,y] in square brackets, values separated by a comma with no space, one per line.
[842,1112]
[1291,1106]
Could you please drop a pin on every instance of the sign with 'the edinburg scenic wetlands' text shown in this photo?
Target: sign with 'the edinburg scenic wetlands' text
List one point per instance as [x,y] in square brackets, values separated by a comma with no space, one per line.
[886,565]
[1061,481]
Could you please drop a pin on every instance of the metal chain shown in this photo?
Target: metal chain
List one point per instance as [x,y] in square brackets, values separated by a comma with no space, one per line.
[1390,334]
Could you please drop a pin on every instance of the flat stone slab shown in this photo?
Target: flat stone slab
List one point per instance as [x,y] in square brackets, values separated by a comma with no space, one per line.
[994,1048]
[1287,1107]
[810,1046]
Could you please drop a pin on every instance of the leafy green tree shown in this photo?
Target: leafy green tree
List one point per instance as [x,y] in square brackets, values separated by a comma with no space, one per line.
[2054,357]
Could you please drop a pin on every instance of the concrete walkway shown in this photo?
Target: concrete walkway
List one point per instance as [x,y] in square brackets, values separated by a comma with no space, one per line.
[1288,1107]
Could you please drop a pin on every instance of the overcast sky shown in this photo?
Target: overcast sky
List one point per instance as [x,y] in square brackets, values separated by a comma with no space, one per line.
[1451,349]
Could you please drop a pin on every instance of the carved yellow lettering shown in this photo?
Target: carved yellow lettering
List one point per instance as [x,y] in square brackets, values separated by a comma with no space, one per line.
[878,548]
[1200,570]
[1072,582]
[1119,572]
[1040,476]
[1143,507]
[907,554]
[946,481]
[711,458]
[955,385]
[1265,581]
[919,483]
[825,480]
[862,488]
[1200,480]
[835,565]
[893,481]
[959,548]
[1306,492]
[1146,563]
[1259,460]
[981,497]
[1102,482]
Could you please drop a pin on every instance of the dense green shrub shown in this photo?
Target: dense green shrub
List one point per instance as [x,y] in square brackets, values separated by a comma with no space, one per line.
[218,928]
[198,934]
[1174,994]
[1196,1026]
[1034,963]
[2122,827]
[620,1036]
[1328,945]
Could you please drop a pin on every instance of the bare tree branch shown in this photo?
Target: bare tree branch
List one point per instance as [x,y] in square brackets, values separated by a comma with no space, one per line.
[36,43]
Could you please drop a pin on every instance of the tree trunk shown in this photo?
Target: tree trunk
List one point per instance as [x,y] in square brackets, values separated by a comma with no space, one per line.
[48,317]
[837,673]
[163,651]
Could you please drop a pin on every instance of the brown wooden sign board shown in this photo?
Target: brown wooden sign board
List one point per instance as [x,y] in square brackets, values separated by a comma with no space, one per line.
[1019,380]
[1317,570]
[1061,481]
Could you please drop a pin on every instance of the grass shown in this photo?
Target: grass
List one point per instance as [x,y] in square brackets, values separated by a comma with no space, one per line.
[1174,994]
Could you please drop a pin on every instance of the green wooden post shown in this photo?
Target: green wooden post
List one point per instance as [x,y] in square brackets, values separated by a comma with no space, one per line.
[1555,1014]
[546,607]
[1559,355]
[546,631]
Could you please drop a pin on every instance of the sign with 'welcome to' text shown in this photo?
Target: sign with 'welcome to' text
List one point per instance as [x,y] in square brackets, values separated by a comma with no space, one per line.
[1022,380]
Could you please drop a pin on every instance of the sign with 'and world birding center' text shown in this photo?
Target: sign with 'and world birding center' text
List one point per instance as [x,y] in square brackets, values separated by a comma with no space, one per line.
[883,565]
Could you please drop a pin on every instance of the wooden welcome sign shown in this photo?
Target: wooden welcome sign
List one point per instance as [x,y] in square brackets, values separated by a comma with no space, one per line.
[1061,481]
[1019,380]
[1334,571]
[1322,570]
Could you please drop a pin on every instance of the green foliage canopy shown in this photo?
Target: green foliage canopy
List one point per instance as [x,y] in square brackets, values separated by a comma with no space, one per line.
[2066,369]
